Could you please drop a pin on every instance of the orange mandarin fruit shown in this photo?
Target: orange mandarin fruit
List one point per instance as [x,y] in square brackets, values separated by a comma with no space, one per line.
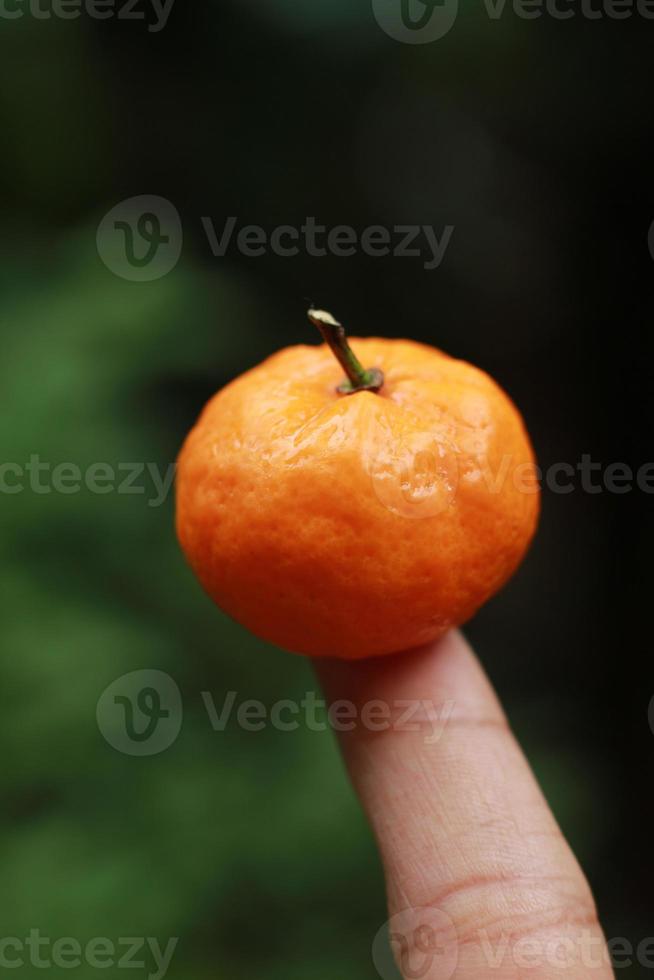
[356,518]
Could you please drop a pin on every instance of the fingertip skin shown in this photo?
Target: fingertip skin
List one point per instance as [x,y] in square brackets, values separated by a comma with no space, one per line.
[471,851]
[356,525]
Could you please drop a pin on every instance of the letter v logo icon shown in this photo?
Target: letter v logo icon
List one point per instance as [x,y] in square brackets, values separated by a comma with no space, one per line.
[415,21]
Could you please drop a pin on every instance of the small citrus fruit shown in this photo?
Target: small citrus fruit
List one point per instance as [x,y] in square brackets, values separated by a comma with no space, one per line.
[359,518]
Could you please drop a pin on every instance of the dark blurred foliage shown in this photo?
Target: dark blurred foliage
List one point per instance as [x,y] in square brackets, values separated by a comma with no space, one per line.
[533,139]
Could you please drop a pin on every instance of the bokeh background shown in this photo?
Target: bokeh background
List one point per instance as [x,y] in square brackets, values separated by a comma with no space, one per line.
[532,138]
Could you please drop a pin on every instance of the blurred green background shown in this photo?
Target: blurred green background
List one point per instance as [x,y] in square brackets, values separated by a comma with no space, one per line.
[532,139]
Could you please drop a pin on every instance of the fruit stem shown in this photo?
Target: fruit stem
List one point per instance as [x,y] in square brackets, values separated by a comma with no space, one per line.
[358,377]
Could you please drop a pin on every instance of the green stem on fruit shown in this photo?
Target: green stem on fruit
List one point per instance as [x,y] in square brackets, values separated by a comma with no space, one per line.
[358,377]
